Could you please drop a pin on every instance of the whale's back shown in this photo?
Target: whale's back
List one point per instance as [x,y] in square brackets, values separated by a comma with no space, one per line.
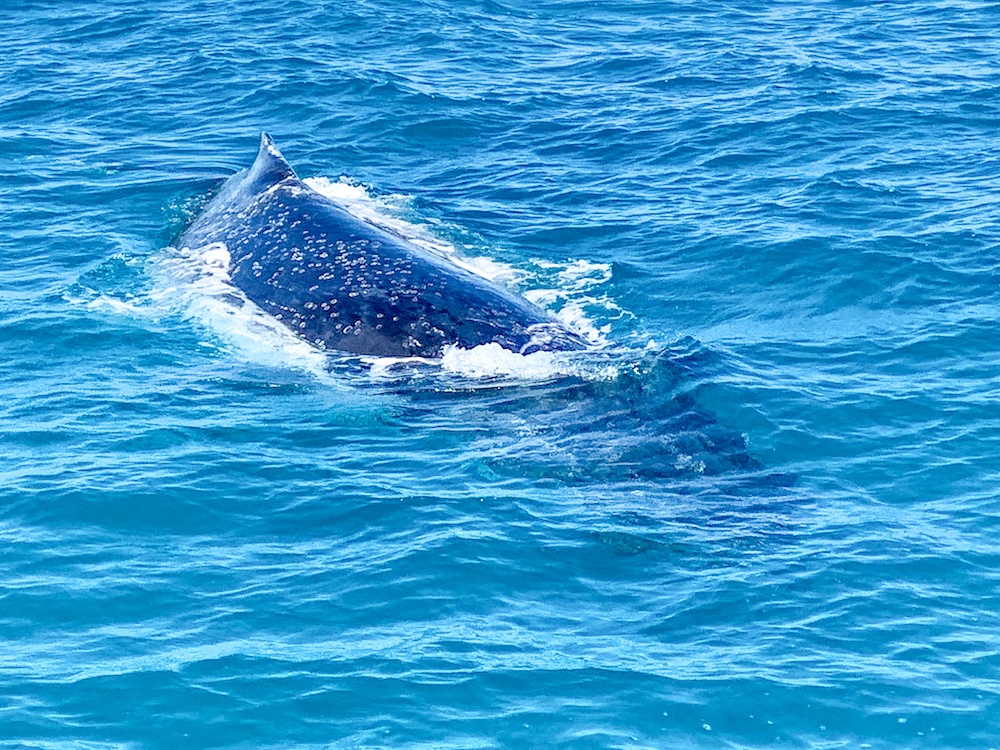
[341,282]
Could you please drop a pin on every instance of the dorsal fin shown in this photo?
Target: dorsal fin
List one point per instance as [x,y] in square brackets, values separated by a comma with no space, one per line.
[270,167]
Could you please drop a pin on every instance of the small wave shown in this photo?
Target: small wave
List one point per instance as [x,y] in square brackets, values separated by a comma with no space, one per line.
[493,366]
[115,285]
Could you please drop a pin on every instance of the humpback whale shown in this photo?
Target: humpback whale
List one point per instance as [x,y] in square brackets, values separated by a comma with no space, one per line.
[346,284]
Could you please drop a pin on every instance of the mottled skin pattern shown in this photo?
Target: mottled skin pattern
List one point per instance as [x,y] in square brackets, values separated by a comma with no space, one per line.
[343,283]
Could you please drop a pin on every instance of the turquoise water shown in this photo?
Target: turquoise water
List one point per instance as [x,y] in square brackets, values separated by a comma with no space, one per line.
[763,514]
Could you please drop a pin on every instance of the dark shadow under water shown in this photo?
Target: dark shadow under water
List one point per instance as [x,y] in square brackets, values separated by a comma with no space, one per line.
[637,454]
[644,423]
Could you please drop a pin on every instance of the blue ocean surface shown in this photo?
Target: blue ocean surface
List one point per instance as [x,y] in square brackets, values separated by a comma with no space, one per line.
[763,510]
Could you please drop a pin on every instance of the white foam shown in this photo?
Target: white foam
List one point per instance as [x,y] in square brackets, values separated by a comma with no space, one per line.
[112,304]
[492,361]
[196,283]
[575,298]
[578,312]
[574,317]
[495,366]
[581,275]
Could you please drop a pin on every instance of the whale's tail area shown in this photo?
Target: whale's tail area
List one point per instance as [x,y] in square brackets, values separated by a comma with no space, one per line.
[269,168]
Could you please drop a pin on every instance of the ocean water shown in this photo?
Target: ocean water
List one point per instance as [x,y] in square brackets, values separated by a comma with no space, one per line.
[762,512]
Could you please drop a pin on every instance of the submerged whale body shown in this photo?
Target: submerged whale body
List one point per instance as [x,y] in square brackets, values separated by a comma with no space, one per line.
[343,283]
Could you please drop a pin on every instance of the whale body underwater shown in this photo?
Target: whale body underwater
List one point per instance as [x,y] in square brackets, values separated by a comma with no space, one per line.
[343,283]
